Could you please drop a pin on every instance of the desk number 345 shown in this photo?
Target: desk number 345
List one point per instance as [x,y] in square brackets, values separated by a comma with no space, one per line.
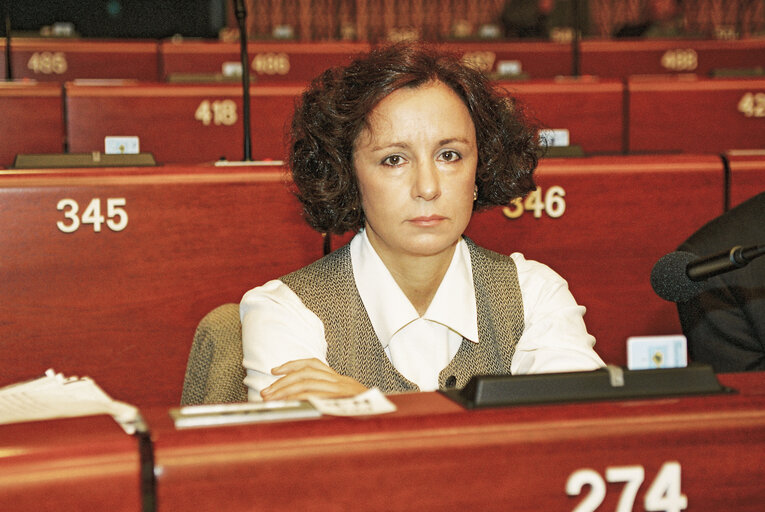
[664,493]
[116,217]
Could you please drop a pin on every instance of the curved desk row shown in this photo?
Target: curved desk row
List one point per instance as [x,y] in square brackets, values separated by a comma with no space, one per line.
[106,272]
[184,123]
[62,60]
[701,453]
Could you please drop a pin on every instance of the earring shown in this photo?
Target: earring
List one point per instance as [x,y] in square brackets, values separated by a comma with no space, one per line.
[475,193]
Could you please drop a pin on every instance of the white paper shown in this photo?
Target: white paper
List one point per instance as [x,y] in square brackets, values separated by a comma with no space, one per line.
[56,396]
[369,402]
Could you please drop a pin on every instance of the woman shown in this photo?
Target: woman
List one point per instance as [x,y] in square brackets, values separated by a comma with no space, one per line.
[402,146]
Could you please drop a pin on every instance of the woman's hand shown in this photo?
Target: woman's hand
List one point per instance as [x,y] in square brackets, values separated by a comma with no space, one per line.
[310,377]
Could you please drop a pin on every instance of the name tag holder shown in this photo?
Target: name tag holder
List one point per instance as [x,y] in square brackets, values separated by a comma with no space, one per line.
[611,383]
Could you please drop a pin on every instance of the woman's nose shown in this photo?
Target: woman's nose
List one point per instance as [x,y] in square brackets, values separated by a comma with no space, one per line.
[427,184]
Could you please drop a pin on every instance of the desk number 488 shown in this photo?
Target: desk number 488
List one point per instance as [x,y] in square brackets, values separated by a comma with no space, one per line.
[663,494]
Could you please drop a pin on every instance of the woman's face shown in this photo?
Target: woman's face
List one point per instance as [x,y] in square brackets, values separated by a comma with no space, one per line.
[416,165]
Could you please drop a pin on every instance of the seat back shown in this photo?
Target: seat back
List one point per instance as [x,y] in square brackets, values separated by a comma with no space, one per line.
[214,373]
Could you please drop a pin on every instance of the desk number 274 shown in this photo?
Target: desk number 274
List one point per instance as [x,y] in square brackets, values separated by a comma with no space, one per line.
[664,493]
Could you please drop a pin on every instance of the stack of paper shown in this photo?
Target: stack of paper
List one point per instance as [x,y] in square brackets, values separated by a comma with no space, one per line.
[369,402]
[56,396]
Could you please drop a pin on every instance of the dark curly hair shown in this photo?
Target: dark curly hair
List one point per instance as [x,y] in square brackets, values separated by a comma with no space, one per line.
[334,109]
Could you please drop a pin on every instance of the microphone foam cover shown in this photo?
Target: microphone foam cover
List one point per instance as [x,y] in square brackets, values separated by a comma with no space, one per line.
[669,279]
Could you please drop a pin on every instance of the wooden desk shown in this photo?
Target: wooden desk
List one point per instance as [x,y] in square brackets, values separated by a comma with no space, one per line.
[432,455]
[590,109]
[747,175]
[181,123]
[60,60]
[33,120]
[77,464]
[121,304]
[609,58]
[270,62]
[690,114]
[539,59]
[619,216]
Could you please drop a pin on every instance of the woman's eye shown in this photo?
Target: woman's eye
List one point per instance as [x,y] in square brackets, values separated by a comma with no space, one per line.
[450,156]
[393,160]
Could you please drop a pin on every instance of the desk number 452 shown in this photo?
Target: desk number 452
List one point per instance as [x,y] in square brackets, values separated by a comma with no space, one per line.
[116,217]
[664,493]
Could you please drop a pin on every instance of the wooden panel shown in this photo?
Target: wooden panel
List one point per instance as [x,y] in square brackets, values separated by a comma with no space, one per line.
[122,306]
[270,62]
[747,175]
[591,109]
[696,115]
[78,464]
[432,456]
[624,58]
[536,59]
[33,120]
[60,60]
[180,123]
[621,215]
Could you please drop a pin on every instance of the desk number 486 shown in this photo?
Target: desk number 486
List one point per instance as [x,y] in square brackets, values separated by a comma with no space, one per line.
[116,217]
[663,494]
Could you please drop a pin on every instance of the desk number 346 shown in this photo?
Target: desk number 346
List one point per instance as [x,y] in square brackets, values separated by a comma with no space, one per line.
[553,204]
[116,217]
[664,493]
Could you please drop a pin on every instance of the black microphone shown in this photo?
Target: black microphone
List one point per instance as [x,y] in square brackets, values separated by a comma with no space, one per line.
[679,276]
[240,11]
[736,257]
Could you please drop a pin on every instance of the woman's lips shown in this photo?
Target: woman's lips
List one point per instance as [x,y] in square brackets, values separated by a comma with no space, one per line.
[425,221]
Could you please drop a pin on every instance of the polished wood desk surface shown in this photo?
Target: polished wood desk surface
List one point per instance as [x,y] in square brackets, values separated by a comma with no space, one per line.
[279,61]
[185,123]
[121,305]
[181,123]
[602,223]
[59,59]
[687,113]
[107,272]
[591,109]
[270,62]
[33,119]
[77,464]
[747,174]
[433,455]
[62,59]
[667,56]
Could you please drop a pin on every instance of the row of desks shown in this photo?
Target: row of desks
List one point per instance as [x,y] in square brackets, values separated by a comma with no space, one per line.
[279,62]
[699,453]
[183,123]
[107,272]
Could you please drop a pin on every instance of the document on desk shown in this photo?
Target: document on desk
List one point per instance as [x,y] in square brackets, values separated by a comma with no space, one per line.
[207,415]
[369,402]
[211,415]
[56,396]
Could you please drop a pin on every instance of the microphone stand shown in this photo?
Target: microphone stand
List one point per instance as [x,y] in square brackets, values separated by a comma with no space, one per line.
[240,10]
[8,66]
[575,40]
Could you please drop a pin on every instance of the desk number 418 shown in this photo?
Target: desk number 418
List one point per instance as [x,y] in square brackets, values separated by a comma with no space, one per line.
[663,495]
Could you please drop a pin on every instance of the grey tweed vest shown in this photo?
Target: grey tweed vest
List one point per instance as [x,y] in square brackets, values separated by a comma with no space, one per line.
[328,289]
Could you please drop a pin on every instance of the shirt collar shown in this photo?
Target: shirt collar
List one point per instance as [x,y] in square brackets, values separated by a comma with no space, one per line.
[389,310]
